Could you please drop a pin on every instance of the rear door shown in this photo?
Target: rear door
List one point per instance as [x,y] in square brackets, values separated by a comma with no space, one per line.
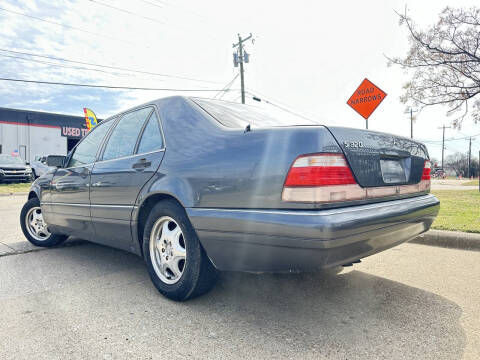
[70,204]
[131,155]
[380,159]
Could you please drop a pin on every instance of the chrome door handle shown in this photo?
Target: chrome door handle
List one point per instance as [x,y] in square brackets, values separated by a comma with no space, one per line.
[141,164]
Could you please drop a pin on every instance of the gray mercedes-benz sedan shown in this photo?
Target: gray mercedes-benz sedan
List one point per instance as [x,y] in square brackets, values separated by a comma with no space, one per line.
[195,186]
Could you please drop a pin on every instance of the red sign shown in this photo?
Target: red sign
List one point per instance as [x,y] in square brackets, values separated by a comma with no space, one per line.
[366,98]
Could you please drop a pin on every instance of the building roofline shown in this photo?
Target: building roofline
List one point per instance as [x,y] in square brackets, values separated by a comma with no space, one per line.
[40,112]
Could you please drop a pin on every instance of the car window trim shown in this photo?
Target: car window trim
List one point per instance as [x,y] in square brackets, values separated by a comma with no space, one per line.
[129,156]
[101,150]
[81,140]
[140,134]
[99,158]
[139,140]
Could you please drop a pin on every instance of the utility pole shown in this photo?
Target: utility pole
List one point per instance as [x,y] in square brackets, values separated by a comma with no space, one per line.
[411,111]
[469,157]
[239,58]
[443,141]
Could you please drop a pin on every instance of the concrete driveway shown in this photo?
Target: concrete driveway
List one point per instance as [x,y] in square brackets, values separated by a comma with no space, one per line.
[89,301]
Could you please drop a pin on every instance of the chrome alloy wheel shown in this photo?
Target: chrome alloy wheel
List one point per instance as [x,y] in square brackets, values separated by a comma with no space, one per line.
[36,226]
[167,250]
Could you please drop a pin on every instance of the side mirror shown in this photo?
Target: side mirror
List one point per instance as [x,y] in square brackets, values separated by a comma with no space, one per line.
[27,163]
[55,160]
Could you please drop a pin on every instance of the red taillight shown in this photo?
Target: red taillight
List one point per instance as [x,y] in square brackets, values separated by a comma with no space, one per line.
[326,178]
[427,167]
[321,178]
[319,170]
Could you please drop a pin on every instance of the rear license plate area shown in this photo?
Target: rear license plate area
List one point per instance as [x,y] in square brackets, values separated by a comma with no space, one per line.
[393,171]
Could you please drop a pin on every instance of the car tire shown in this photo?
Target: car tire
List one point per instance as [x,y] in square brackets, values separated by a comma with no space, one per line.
[34,227]
[197,275]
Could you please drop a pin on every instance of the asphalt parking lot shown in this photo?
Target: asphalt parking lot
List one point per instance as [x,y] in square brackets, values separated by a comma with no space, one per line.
[88,301]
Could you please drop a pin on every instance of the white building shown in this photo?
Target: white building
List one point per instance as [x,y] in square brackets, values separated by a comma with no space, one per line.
[33,133]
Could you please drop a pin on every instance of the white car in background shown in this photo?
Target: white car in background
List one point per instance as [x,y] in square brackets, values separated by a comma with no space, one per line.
[39,165]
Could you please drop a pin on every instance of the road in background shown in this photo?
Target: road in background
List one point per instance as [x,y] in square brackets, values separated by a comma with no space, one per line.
[447,184]
[89,301]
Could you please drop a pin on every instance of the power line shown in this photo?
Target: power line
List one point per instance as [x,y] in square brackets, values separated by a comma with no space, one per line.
[451,139]
[162,2]
[227,86]
[62,65]
[256,98]
[107,86]
[129,12]
[153,4]
[66,26]
[183,10]
[108,66]
[250,90]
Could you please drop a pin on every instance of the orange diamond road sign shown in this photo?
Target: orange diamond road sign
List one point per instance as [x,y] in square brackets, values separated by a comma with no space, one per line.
[366,98]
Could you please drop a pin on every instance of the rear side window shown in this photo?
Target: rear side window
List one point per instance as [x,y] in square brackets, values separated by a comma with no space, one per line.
[86,151]
[152,137]
[124,137]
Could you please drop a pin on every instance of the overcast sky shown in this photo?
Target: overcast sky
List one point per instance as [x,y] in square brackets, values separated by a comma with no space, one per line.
[308,55]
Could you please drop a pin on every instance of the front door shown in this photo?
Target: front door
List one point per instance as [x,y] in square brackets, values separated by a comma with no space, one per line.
[69,209]
[131,155]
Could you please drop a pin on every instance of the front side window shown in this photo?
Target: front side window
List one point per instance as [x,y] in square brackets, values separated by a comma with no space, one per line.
[86,151]
[151,138]
[124,137]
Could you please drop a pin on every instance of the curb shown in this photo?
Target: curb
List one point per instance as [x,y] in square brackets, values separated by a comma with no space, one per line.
[449,239]
[24,247]
[15,194]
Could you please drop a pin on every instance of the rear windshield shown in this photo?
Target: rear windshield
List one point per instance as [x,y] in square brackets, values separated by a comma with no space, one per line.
[235,115]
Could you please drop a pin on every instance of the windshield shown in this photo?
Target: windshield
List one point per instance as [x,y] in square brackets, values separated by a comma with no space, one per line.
[236,115]
[8,159]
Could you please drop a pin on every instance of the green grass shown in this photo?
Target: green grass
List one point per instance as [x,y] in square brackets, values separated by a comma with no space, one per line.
[459,210]
[14,188]
[471,183]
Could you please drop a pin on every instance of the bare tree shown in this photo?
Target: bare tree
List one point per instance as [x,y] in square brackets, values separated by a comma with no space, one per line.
[458,162]
[446,62]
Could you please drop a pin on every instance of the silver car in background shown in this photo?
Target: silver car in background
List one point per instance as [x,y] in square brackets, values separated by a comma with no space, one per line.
[40,167]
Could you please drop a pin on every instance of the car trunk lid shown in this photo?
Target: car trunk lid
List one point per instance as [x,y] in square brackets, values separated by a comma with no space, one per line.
[380,159]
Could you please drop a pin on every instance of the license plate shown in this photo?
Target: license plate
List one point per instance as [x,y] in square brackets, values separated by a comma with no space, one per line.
[392,171]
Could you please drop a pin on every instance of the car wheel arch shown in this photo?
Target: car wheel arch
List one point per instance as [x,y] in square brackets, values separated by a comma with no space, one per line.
[32,194]
[144,210]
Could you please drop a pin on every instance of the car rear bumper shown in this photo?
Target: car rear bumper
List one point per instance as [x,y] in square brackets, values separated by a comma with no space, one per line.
[291,240]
